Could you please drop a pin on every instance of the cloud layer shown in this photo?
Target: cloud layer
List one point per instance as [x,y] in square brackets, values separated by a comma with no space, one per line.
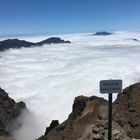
[48,78]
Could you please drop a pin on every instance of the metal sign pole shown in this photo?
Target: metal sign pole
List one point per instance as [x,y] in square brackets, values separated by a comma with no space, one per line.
[109,87]
[110,116]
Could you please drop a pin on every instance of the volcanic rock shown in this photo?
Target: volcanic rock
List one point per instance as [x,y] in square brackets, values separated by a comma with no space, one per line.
[9,112]
[127,110]
[53,124]
[89,118]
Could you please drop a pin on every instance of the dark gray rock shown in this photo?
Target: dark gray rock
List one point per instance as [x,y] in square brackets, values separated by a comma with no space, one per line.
[9,112]
[54,40]
[53,124]
[16,43]
[102,33]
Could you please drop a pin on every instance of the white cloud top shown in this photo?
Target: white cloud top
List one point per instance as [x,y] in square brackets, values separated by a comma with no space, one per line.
[48,78]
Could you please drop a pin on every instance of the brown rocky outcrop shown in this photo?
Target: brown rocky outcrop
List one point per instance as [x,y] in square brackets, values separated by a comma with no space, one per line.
[9,112]
[89,118]
[127,110]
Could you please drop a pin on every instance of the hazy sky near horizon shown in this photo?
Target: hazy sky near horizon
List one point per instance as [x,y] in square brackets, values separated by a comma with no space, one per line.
[68,16]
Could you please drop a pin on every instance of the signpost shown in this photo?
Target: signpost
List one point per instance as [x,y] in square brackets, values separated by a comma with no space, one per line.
[110,86]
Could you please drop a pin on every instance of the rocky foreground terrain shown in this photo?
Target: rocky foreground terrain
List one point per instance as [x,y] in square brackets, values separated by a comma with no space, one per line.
[9,112]
[87,121]
[89,118]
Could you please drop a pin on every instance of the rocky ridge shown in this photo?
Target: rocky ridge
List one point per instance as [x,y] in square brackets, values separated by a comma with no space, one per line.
[16,43]
[89,118]
[9,112]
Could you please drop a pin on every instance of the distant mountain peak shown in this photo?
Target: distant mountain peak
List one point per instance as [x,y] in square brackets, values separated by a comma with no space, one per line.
[16,43]
[103,33]
[134,39]
[54,40]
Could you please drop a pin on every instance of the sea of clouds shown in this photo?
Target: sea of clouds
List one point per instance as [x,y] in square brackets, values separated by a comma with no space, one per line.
[48,78]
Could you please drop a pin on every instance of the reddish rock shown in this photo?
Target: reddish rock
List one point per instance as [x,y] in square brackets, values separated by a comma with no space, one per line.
[89,117]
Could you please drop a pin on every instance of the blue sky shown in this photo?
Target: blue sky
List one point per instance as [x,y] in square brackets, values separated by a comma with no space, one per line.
[68,16]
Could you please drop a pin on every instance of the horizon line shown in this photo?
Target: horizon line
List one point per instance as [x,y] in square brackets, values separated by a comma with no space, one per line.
[62,33]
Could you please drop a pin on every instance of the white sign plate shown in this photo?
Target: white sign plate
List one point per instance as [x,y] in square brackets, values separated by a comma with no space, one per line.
[110,86]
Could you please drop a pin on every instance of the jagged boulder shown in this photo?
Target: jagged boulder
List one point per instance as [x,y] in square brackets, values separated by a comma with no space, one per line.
[53,124]
[89,118]
[84,112]
[9,112]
